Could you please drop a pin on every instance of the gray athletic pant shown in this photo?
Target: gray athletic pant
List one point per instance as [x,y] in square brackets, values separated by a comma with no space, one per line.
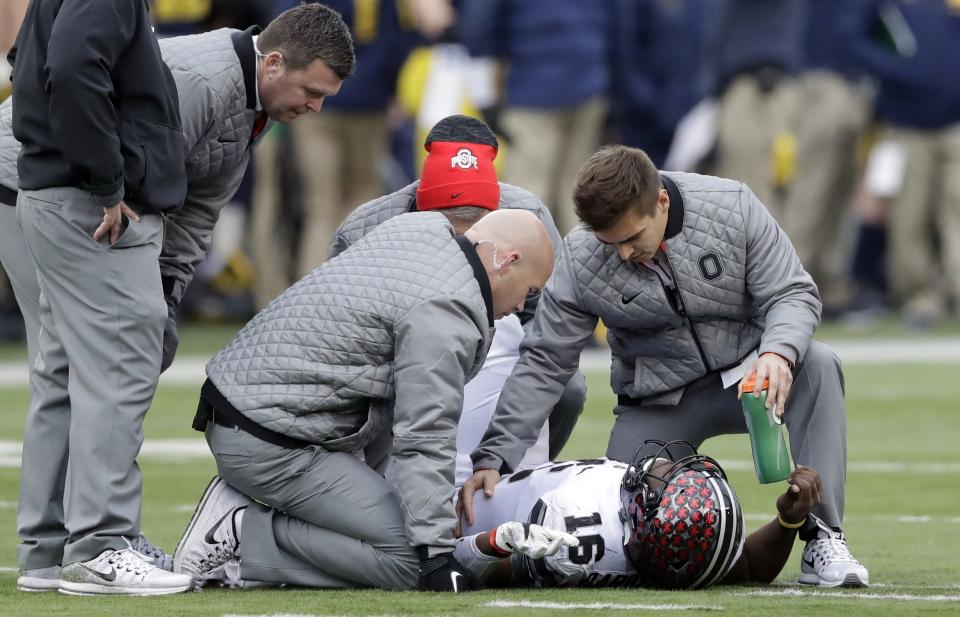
[566,413]
[19,267]
[814,415]
[325,519]
[101,314]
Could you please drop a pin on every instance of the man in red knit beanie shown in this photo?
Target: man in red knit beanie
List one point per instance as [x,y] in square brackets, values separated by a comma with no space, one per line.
[459,180]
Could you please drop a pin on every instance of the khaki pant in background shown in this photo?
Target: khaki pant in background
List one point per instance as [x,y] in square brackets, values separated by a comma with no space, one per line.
[337,158]
[547,149]
[830,122]
[338,155]
[271,255]
[748,122]
[928,202]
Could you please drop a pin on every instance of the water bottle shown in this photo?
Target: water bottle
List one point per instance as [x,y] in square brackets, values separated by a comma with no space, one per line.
[771,456]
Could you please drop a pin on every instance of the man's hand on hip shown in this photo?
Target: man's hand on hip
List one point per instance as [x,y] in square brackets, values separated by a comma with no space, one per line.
[113,221]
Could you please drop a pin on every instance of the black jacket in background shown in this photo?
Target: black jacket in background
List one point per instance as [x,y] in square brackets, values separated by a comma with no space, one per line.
[94,105]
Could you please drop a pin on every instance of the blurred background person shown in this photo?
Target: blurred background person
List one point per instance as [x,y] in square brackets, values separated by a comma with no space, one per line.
[911,49]
[557,61]
[830,123]
[179,17]
[756,54]
[11,15]
[661,69]
[882,179]
[328,166]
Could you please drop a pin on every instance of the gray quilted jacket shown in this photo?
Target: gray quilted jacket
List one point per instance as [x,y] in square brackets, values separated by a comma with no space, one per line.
[9,150]
[741,287]
[369,215]
[215,75]
[217,106]
[394,325]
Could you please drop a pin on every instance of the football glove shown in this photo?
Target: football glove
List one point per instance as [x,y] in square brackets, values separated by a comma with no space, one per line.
[531,540]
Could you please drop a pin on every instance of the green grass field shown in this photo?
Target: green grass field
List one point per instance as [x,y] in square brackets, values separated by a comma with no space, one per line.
[903,515]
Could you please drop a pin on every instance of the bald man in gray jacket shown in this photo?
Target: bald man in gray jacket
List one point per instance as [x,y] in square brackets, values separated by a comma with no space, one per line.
[382,337]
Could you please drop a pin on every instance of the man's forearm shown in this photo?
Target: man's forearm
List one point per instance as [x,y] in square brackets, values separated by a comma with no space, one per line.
[765,552]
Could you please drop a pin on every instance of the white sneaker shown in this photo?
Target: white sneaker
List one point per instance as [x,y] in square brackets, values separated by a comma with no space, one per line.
[153,553]
[827,561]
[213,536]
[39,579]
[120,572]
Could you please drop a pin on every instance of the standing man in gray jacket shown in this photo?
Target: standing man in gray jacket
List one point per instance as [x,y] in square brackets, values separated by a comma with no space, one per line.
[382,337]
[698,287]
[231,84]
[96,111]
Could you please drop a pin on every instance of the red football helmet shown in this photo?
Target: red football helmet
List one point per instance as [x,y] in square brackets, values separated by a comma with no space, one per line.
[683,520]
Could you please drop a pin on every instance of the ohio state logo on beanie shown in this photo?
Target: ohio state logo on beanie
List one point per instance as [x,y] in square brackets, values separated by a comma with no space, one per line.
[464,159]
[458,174]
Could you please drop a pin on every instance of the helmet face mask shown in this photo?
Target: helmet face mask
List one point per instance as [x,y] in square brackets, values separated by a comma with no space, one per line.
[684,527]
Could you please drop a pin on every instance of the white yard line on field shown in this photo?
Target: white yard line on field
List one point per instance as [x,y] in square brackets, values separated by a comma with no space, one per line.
[292,615]
[193,448]
[842,595]
[944,587]
[900,586]
[174,449]
[565,606]
[873,518]
[868,467]
[187,370]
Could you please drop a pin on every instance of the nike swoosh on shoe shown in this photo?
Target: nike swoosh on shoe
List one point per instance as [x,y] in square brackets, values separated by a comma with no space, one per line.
[208,538]
[108,576]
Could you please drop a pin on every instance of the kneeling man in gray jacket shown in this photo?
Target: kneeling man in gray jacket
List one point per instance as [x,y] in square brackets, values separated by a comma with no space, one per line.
[698,287]
[382,337]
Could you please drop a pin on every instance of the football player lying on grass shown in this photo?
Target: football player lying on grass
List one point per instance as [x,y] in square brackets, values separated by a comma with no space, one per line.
[669,520]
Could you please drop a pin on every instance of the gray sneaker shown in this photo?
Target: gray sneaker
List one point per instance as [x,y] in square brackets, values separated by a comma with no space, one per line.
[827,561]
[153,553]
[213,536]
[122,572]
[39,579]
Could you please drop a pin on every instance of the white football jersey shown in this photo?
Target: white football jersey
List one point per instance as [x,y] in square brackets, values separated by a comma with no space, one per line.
[578,497]
[480,396]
